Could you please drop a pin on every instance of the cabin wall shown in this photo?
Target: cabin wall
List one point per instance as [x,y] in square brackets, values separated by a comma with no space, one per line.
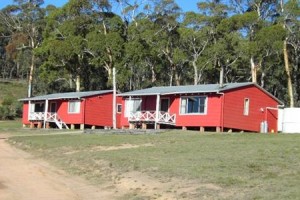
[258,102]
[211,118]
[25,113]
[69,118]
[98,110]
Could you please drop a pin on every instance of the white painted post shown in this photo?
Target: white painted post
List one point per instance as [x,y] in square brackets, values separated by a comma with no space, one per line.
[46,112]
[114,99]
[157,110]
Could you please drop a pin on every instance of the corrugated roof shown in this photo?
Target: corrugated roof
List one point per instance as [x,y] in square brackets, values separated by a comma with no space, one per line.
[207,88]
[67,95]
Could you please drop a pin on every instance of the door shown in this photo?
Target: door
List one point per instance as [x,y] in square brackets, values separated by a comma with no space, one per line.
[164,104]
[53,107]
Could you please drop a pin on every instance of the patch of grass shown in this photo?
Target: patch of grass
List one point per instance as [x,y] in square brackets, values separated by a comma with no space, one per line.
[9,126]
[247,166]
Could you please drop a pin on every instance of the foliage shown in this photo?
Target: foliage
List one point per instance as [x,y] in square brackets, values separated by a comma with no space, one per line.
[75,47]
[10,107]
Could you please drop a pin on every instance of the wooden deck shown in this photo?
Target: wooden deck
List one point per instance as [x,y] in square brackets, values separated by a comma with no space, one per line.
[48,117]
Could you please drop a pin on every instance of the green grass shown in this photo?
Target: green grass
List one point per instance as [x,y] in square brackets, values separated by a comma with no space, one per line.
[251,166]
[10,126]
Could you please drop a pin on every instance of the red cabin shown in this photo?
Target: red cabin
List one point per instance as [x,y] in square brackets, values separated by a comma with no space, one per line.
[232,107]
[75,109]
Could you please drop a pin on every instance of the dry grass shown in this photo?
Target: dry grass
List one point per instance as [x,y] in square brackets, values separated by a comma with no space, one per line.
[176,164]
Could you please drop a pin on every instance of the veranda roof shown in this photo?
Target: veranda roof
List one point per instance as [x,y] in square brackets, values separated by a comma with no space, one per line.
[67,95]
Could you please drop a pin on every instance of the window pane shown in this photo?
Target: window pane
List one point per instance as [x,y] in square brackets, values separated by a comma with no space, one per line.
[132,105]
[246,106]
[119,108]
[183,105]
[193,105]
[74,106]
[202,104]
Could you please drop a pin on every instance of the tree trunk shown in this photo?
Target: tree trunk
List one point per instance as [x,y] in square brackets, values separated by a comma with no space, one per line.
[153,74]
[177,78]
[221,76]
[288,73]
[77,83]
[195,72]
[31,75]
[253,70]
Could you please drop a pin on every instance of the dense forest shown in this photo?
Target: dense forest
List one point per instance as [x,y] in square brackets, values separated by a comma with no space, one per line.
[151,43]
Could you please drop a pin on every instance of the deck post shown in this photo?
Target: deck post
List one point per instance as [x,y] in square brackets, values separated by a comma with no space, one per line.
[81,126]
[131,126]
[46,112]
[157,111]
[39,125]
[202,129]
[144,126]
[158,126]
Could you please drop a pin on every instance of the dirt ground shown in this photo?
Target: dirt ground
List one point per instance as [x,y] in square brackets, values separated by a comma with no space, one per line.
[23,177]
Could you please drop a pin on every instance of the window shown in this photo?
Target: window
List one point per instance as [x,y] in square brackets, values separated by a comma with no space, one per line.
[74,107]
[37,107]
[132,105]
[246,106]
[119,108]
[191,105]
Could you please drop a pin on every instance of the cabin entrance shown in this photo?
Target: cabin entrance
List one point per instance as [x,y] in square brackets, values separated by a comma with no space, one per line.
[53,107]
[164,104]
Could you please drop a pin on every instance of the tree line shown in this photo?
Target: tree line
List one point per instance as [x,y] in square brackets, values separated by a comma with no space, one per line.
[151,43]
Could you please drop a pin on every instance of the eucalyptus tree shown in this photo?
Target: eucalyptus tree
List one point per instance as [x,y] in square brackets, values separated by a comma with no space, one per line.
[25,19]
[141,62]
[289,16]
[217,42]
[254,15]
[166,37]
[105,42]
[194,38]
[140,57]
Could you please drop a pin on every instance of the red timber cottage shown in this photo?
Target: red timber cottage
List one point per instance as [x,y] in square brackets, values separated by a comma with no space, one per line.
[71,110]
[233,107]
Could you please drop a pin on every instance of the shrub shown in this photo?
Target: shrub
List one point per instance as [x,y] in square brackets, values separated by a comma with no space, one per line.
[10,108]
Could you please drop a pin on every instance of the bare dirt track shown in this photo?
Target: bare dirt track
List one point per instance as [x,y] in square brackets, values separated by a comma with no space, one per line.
[24,178]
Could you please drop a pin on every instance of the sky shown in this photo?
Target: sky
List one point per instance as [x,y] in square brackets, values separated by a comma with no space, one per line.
[186,5]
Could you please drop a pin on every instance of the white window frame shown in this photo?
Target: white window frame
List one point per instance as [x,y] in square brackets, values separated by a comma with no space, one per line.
[76,109]
[246,106]
[129,106]
[185,106]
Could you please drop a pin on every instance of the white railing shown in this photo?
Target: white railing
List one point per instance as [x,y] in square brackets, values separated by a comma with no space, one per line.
[36,116]
[51,117]
[151,116]
[166,118]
